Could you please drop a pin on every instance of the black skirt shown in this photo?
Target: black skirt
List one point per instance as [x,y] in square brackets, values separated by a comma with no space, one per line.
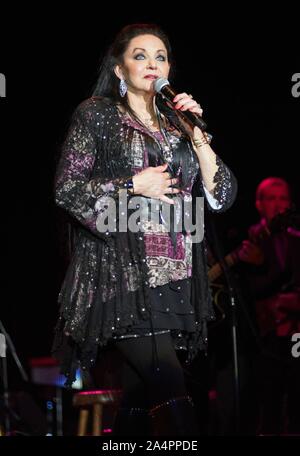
[171,310]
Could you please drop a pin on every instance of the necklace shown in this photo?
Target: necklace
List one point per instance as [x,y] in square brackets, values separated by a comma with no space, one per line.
[164,144]
[148,122]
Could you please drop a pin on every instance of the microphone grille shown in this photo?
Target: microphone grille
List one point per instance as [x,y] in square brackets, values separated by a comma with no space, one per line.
[160,83]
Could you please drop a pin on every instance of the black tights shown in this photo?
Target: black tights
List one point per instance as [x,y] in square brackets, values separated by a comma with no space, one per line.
[143,386]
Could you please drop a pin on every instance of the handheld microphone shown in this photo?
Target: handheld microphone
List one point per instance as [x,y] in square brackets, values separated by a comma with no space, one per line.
[162,85]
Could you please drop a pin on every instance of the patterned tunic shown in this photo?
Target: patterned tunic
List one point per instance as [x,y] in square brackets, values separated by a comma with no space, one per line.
[106,291]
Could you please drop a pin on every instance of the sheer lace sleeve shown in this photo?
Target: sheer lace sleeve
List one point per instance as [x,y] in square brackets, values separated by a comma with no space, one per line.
[225,190]
[84,197]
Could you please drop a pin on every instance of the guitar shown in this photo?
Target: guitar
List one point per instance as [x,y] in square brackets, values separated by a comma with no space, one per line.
[217,269]
[219,291]
[288,220]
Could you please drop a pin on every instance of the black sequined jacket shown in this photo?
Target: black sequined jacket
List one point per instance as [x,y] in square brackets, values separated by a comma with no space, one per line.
[105,287]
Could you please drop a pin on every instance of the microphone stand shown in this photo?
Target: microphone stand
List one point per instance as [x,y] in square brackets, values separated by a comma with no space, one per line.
[6,342]
[4,384]
[13,352]
[233,313]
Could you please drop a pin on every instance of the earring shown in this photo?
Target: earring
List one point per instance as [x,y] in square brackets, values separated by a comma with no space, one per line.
[122,88]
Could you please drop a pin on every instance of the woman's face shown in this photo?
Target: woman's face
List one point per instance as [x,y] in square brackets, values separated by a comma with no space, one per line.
[144,61]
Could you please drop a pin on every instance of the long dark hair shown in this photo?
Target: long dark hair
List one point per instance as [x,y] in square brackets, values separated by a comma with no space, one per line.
[108,86]
[108,83]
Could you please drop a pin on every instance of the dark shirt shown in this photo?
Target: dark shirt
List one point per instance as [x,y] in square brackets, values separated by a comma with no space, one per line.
[275,284]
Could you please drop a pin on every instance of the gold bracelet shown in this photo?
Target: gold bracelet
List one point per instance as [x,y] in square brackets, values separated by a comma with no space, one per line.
[200,142]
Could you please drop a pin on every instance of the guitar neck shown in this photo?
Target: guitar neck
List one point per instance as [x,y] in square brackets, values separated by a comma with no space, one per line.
[217,270]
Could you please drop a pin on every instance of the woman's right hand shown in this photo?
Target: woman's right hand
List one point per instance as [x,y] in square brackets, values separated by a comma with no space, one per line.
[155,182]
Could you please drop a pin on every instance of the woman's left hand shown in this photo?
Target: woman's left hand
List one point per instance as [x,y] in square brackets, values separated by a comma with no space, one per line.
[185,102]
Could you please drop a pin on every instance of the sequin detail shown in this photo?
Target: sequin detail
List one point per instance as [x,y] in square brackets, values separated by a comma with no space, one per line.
[106,286]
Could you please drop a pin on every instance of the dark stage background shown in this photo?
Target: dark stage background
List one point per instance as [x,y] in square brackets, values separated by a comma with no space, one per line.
[242,80]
